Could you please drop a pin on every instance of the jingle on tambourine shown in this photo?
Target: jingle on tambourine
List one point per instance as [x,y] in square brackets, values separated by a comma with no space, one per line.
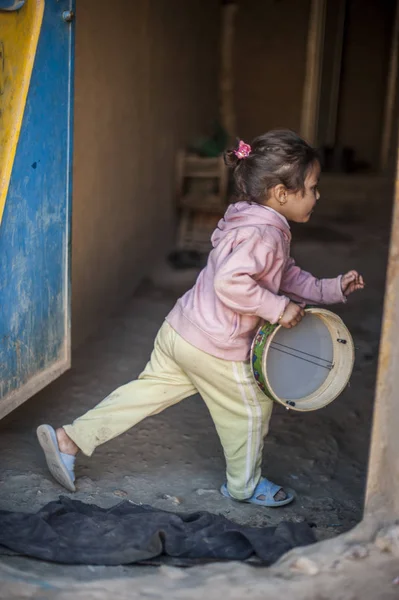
[307,367]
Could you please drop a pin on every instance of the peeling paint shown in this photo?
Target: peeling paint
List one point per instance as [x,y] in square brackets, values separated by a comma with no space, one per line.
[34,258]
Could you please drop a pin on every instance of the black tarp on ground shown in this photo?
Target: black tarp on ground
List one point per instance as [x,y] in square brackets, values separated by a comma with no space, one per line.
[72,532]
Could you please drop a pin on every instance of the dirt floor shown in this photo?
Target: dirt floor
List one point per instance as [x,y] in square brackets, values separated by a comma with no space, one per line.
[174,461]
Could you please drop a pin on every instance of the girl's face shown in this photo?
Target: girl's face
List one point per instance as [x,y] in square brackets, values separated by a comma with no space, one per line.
[298,206]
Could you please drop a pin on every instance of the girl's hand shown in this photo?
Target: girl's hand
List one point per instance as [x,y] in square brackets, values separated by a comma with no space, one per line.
[292,316]
[351,282]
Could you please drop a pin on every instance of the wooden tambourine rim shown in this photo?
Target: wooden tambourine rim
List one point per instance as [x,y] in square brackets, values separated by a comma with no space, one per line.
[339,376]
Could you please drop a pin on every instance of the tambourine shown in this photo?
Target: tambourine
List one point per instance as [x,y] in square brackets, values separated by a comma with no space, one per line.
[306,367]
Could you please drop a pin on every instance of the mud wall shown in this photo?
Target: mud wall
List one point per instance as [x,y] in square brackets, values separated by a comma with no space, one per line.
[364,77]
[269,69]
[269,64]
[146,83]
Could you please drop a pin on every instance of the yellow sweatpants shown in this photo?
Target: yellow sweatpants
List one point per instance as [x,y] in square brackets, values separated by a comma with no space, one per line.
[177,370]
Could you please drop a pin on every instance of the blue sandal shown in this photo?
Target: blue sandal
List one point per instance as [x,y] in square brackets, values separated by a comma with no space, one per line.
[264,488]
[60,465]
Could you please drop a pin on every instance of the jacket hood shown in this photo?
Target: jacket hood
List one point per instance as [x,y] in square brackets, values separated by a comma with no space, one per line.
[243,214]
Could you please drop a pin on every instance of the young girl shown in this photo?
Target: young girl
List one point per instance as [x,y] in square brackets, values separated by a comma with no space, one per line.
[204,344]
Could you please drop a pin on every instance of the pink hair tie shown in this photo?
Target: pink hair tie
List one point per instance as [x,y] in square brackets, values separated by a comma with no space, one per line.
[243,150]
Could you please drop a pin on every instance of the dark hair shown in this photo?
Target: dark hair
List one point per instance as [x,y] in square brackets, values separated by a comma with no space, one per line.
[279,156]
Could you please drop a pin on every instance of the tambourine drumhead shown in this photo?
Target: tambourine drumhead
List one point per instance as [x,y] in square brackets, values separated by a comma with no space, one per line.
[307,367]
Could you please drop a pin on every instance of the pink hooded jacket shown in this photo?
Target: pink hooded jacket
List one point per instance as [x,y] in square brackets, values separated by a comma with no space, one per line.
[249,277]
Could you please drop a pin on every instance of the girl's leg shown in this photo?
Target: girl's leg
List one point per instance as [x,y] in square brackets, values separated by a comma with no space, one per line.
[240,411]
[162,384]
[241,414]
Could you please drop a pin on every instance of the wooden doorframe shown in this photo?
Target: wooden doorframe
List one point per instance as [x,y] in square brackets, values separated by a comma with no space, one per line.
[390,100]
[336,79]
[314,58]
[382,492]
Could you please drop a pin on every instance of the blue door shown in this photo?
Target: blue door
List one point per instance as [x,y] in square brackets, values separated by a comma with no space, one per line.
[36,75]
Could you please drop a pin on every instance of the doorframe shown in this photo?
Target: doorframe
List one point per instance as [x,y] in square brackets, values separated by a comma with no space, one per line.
[314,59]
[382,490]
[391,92]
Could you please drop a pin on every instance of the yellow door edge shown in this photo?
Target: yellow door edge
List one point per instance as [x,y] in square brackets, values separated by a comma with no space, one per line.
[19,36]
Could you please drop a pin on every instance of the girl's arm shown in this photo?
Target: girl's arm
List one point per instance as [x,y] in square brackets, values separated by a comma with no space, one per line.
[301,286]
[236,280]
